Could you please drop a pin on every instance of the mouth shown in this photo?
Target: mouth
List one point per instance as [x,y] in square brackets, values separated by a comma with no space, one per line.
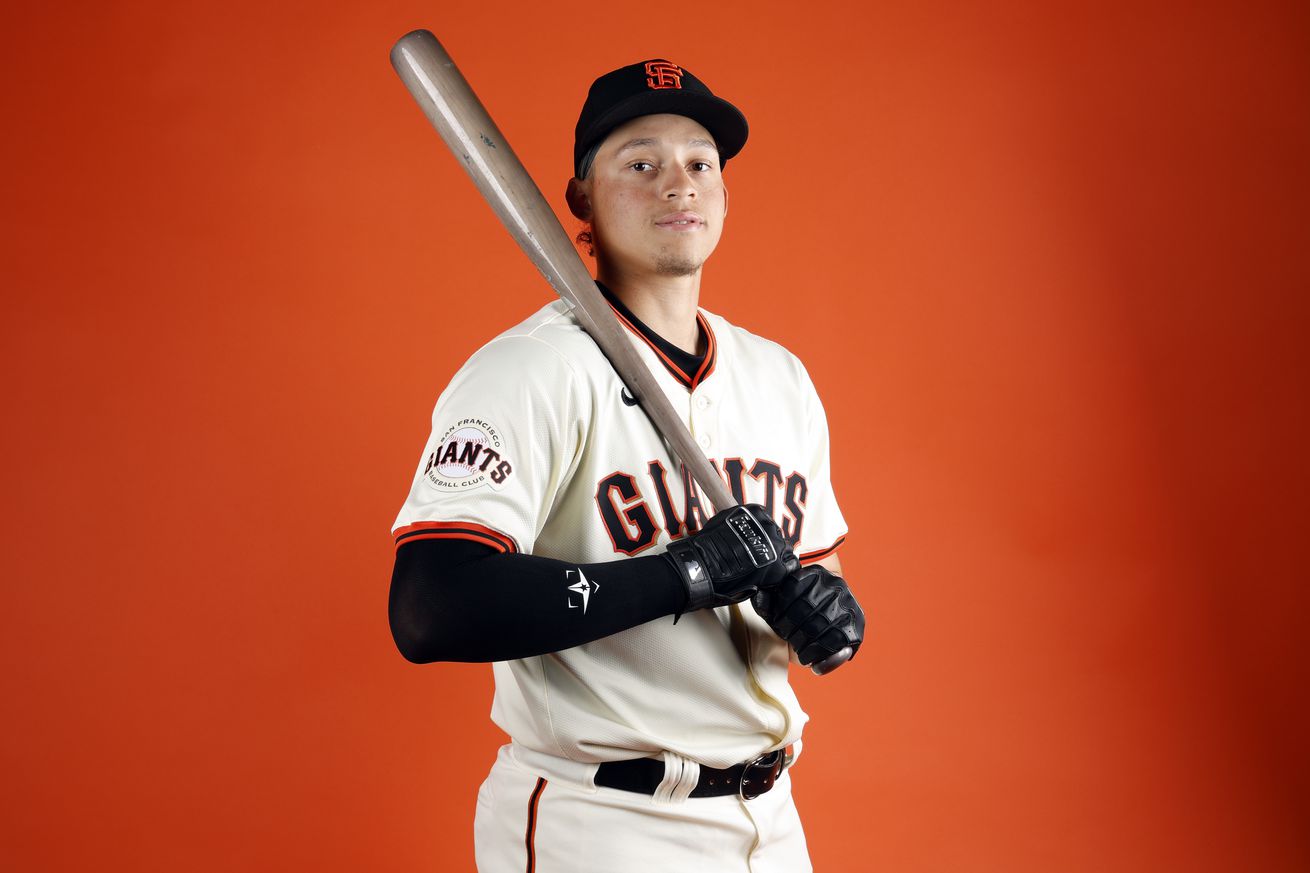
[681,221]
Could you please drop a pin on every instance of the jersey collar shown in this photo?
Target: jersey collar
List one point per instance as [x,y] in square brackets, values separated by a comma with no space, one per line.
[690,370]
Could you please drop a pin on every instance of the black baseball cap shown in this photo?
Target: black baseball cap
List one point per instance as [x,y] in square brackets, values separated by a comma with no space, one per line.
[650,88]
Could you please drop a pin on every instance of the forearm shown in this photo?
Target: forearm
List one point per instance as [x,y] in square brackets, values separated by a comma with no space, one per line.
[460,601]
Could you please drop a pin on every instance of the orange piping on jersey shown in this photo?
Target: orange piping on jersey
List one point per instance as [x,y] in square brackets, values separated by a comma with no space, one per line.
[706,367]
[455,530]
[811,557]
[711,352]
[530,838]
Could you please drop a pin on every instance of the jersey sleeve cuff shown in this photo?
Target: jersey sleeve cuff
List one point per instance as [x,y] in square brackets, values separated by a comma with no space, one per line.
[455,530]
[820,554]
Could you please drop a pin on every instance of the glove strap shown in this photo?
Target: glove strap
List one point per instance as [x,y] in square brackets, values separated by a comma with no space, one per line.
[686,561]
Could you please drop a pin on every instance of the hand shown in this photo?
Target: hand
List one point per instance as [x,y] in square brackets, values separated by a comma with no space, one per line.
[738,553]
[815,612]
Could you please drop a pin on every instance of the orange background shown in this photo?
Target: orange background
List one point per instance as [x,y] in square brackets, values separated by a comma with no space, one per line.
[1048,270]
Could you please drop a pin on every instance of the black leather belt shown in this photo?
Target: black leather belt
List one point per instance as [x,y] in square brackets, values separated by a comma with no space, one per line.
[751,779]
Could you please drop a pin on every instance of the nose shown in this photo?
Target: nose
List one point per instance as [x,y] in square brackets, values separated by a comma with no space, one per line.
[679,184]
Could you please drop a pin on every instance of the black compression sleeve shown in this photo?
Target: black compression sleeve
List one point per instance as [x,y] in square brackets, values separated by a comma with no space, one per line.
[456,600]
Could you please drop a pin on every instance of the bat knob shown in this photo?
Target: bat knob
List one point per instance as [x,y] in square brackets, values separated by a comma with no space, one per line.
[832,662]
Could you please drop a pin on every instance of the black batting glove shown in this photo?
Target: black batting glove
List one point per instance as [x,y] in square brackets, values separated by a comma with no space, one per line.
[738,553]
[815,612]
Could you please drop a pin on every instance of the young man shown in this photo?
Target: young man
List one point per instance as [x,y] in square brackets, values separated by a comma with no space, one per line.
[549,530]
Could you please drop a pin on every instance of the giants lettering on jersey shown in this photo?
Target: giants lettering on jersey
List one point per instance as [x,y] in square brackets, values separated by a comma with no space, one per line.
[635,508]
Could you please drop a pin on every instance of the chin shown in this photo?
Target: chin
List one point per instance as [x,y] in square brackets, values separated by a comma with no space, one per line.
[678,266]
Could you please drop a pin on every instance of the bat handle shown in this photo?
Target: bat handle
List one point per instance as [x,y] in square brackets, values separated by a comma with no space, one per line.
[832,662]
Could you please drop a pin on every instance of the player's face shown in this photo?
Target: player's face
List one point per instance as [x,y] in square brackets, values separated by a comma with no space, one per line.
[656,196]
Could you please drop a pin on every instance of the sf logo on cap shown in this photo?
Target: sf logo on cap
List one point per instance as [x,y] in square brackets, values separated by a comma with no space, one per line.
[662,74]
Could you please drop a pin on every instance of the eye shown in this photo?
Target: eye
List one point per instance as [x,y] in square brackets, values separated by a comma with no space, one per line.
[702,166]
[642,166]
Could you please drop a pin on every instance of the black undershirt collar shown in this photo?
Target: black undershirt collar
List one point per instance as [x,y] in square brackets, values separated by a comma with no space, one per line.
[688,363]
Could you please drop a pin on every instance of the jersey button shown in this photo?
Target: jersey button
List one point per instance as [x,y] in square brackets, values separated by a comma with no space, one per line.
[704,440]
[702,402]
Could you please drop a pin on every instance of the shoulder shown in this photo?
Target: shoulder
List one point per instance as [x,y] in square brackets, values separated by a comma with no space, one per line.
[545,367]
[753,351]
[546,343]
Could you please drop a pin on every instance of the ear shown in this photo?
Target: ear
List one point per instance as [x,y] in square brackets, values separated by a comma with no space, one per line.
[725,201]
[579,202]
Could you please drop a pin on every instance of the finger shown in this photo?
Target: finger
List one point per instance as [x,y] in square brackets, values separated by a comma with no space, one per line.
[832,662]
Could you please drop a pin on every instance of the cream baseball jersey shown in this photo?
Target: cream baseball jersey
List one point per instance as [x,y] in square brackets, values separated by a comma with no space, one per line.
[537,447]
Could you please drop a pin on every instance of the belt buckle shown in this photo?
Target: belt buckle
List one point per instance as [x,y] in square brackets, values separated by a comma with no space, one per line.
[770,762]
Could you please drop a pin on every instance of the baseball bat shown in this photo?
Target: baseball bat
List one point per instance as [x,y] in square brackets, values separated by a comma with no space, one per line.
[449,103]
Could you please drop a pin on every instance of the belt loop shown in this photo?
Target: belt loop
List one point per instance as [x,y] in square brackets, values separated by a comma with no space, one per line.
[680,777]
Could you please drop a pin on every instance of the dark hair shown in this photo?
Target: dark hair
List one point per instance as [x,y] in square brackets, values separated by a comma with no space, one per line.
[585,239]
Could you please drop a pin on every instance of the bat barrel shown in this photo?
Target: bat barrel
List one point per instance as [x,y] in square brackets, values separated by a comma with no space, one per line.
[449,103]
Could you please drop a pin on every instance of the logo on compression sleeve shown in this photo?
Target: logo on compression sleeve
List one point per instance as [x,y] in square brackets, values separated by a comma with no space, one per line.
[584,588]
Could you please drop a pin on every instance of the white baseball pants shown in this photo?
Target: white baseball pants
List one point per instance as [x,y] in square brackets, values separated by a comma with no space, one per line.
[541,814]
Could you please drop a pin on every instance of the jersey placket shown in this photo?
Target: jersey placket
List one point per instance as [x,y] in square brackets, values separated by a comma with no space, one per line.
[703,421]
[703,418]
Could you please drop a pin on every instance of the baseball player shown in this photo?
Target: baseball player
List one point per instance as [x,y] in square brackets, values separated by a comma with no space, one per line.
[640,640]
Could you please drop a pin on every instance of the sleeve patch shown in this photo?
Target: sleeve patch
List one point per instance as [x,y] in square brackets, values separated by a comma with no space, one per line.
[469,455]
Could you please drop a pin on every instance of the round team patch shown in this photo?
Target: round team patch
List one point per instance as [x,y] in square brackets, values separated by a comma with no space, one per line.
[469,455]
[463,447]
